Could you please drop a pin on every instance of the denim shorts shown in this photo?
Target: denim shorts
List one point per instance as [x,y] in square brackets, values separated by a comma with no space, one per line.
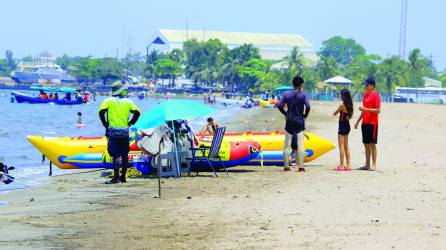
[118,142]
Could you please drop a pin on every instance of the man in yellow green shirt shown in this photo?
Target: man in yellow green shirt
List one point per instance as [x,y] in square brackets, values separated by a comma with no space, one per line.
[114,113]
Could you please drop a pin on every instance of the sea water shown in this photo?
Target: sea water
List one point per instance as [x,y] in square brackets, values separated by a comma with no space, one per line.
[18,120]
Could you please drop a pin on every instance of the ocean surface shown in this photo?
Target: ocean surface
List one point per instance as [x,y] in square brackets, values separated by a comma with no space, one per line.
[20,120]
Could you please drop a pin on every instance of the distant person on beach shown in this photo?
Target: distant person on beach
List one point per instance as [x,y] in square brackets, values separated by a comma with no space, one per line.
[345,111]
[369,116]
[79,118]
[210,127]
[298,104]
[114,113]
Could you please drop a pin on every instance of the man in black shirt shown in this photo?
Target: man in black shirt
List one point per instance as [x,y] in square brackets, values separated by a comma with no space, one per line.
[298,105]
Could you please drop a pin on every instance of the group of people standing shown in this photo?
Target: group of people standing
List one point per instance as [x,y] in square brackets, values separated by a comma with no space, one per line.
[115,113]
[298,109]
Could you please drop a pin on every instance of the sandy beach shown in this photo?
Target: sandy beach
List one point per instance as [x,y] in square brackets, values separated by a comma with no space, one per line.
[400,206]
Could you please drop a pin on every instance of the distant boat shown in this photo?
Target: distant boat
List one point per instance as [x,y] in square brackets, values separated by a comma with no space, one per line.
[42,70]
[24,98]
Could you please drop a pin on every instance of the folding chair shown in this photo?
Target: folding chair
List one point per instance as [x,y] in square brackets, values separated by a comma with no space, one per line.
[209,153]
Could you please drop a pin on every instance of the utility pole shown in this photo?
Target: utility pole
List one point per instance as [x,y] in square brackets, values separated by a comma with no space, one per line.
[403,24]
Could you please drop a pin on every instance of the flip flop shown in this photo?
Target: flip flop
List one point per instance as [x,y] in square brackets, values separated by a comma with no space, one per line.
[364,168]
[347,169]
[339,168]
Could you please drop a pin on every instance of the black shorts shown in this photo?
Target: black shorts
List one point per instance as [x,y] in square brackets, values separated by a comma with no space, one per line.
[344,128]
[369,133]
[118,146]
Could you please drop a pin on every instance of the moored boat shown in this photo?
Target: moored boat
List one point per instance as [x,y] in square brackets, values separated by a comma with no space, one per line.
[66,100]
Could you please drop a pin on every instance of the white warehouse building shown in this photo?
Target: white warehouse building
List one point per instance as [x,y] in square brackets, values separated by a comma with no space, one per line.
[271,46]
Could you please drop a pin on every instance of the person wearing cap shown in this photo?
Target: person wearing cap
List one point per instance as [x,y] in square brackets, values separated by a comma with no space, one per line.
[114,113]
[369,116]
[298,103]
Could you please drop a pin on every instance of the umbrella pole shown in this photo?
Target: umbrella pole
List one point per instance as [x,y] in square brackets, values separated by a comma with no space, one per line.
[159,174]
[176,149]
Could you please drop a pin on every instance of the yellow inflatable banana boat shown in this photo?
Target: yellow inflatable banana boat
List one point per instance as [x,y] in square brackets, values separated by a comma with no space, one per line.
[88,152]
[272,144]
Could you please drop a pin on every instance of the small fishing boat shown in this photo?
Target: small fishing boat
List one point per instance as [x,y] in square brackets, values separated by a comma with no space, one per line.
[42,98]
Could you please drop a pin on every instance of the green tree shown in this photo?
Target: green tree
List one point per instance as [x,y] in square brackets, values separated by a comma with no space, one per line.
[310,78]
[10,60]
[203,60]
[254,73]
[4,68]
[419,68]
[244,53]
[27,58]
[326,68]
[134,65]
[393,72]
[360,68]
[295,61]
[152,57]
[443,79]
[343,50]
[177,55]
[65,61]
[109,70]
[167,68]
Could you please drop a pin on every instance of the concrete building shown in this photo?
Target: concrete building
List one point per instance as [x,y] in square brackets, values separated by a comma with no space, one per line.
[271,46]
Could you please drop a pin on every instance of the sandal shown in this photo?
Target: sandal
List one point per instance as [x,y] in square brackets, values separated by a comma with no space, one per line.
[339,168]
[364,168]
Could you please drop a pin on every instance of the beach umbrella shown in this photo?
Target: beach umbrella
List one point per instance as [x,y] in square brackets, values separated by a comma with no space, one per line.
[170,111]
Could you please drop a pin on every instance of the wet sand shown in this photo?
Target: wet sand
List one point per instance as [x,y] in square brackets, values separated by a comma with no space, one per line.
[401,206]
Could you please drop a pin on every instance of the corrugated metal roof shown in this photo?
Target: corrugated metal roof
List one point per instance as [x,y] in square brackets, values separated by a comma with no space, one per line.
[238,38]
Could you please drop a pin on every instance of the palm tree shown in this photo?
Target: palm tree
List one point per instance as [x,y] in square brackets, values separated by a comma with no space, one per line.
[295,61]
[417,64]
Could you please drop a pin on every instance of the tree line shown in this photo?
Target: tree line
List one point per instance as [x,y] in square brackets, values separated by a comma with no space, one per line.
[211,63]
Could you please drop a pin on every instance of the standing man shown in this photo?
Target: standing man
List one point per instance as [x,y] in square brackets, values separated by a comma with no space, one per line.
[369,116]
[298,109]
[114,113]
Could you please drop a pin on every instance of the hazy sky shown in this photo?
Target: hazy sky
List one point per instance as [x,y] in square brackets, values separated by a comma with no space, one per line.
[100,27]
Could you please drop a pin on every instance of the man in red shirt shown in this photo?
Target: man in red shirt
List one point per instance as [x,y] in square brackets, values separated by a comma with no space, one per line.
[369,116]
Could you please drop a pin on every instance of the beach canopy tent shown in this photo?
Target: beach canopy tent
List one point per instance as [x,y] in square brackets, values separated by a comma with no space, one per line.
[339,81]
[52,89]
[283,88]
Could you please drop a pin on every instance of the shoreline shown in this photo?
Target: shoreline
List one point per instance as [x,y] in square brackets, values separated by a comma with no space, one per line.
[256,207]
[40,179]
